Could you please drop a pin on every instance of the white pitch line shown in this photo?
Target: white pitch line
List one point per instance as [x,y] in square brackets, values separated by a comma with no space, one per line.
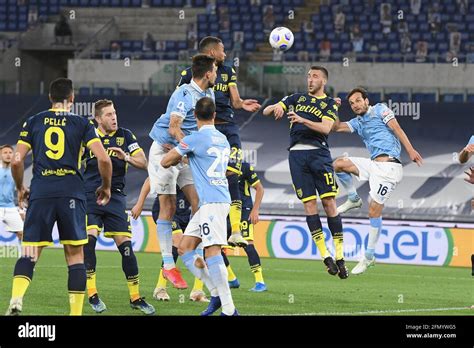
[390,311]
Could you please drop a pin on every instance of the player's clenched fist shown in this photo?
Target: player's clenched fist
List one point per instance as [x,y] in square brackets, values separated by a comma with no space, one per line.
[103,195]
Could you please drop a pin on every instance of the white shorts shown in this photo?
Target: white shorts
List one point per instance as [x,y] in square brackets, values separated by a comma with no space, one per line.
[163,181]
[210,224]
[12,220]
[383,177]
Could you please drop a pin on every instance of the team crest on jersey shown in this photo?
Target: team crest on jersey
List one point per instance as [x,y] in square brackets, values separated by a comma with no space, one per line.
[323,105]
[224,77]
[120,141]
[301,99]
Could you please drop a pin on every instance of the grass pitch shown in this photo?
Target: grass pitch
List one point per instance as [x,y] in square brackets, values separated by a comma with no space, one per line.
[295,287]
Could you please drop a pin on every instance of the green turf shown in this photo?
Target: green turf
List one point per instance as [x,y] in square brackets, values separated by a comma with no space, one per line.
[296,287]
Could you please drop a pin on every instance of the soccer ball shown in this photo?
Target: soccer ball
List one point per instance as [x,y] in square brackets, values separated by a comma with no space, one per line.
[281,38]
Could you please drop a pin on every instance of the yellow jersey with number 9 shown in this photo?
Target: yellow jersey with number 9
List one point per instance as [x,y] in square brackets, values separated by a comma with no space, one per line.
[56,138]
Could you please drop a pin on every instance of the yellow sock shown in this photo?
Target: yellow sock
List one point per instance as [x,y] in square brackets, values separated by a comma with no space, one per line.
[198,284]
[91,285]
[20,285]
[133,287]
[318,237]
[161,282]
[338,245]
[235,215]
[231,275]
[257,272]
[76,302]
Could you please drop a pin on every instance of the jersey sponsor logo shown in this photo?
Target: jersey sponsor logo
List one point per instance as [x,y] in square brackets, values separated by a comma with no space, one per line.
[219,182]
[58,172]
[309,109]
[120,141]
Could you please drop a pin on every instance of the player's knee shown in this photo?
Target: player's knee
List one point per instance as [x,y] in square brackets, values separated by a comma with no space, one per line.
[310,207]
[338,165]
[329,205]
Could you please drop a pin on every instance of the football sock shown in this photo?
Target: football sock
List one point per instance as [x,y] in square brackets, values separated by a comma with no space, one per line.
[335,226]
[22,276]
[130,268]
[90,262]
[316,229]
[254,262]
[374,233]
[347,182]
[218,274]
[76,285]
[164,230]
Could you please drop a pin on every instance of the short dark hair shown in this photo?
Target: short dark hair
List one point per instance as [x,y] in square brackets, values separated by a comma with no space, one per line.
[207,42]
[202,63]
[361,90]
[60,90]
[100,104]
[205,109]
[321,68]
[6,146]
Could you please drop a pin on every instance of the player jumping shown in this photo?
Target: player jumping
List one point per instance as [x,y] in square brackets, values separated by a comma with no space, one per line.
[124,150]
[227,98]
[56,138]
[208,153]
[312,116]
[381,134]
[169,130]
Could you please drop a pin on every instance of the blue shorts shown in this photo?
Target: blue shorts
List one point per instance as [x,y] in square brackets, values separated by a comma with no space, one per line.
[312,172]
[113,217]
[42,213]
[231,132]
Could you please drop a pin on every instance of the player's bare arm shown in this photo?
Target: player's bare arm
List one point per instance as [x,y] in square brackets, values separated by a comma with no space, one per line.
[138,207]
[175,127]
[138,160]
[400,134]
[172,158]
[18,171]
[275,109]
[254,213]
[323,127]
[341,127]
[250,105]
[105,169]
[466,153]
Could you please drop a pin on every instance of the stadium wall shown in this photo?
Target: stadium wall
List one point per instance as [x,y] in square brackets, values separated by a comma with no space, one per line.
[417,243]
[343,77]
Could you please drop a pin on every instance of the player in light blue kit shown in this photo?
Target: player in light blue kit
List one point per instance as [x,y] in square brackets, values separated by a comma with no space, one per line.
[167,132]
[208,153]
[9,213]
[381,134]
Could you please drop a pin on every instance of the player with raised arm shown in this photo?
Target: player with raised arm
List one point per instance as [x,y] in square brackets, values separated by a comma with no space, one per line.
[56,138]
[168,131]
[312,116]
[124,150]
[208,153]
[381,134]
[227,98]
